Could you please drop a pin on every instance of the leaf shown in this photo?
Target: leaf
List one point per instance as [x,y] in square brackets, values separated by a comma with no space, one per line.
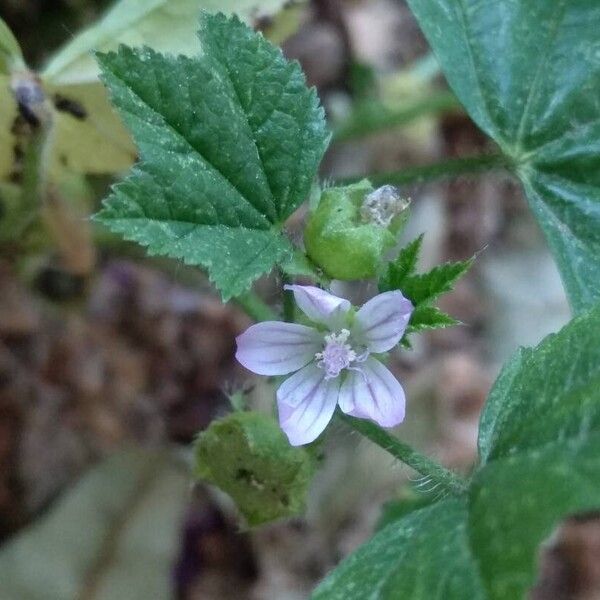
[7,139]
[423,556]
[422,289]
[98,142]
[499,400]
[528,74]
[428,287]
[165,25]
[114,535]
[539,463]
[403,266]
[247,455]
[11,56]
[429,317]
[398,508]
[228,153]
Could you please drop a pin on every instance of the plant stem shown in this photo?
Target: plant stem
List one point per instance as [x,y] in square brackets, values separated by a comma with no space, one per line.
[289,309]
[376,118]
[255,307]
[446,169]
[419,462]
[26,211]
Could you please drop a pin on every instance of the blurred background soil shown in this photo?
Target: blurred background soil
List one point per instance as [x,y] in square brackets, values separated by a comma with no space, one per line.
[141,352]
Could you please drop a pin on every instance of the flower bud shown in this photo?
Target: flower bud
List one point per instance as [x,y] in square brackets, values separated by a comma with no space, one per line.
[352,227]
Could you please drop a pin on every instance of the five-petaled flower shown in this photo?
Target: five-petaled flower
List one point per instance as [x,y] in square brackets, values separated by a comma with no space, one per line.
[333,360]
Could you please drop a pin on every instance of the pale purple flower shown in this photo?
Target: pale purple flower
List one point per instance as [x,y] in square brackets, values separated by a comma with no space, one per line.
[333,361]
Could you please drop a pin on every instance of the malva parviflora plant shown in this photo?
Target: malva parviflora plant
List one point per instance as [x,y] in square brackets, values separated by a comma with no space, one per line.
[230,141]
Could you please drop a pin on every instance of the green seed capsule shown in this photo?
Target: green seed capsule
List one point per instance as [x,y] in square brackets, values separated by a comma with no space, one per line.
[352,227]
[247,456]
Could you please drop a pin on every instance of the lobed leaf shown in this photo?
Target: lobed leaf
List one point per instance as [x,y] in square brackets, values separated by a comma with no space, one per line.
[428,287]
[424,288]
[528,74]
[403,266]
[539,463]
[429,317]
[227,154]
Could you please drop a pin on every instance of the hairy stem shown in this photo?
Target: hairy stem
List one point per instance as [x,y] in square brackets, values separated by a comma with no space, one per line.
[374,119]
[422,464]
[454,167]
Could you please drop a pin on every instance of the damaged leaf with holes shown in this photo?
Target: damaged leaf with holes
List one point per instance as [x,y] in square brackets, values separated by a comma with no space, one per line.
[247,456]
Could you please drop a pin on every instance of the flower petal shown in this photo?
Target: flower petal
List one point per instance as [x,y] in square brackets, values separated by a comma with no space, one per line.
[320,306]
[275,348]
[380,323]
[306,403]
[372,392]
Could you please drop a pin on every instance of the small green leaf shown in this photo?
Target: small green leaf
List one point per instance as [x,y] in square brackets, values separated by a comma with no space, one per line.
[429,317]
[116,531]
[247,456]
[403,266]
[422,289]
[527,71]
[425,288]
[228,153]
[539,463]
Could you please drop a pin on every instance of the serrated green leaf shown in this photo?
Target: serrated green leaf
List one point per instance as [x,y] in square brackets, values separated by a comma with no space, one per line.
[228,153]
[425,288]
[403,266]
[539,463]
[527,71]
[429,317]
[422,556]
[247,455]
[116,531]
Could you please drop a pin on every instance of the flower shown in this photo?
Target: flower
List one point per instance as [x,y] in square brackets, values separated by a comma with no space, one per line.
[333,362]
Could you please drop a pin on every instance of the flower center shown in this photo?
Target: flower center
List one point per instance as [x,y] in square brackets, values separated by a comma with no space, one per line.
[337,354]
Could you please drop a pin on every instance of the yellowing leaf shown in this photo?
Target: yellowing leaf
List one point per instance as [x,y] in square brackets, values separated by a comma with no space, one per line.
[8,112]
[96,141]
[167,26]
[10,51]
